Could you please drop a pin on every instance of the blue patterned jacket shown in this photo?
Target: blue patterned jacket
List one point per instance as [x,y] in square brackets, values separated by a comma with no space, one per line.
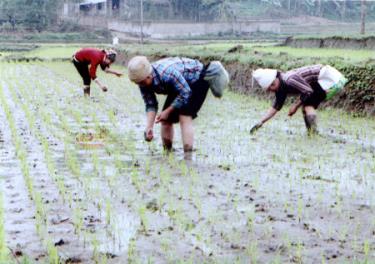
[171,76]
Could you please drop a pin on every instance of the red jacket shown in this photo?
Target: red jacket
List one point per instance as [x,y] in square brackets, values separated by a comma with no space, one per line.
[94,57]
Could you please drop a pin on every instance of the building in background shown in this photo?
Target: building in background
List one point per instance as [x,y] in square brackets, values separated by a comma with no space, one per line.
[163,19]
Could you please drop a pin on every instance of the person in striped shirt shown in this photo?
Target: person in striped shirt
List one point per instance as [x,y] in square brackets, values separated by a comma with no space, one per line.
[302,82]
[182,80]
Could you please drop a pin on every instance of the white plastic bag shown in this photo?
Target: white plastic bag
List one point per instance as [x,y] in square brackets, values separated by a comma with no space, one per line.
[331,80]
[217,77]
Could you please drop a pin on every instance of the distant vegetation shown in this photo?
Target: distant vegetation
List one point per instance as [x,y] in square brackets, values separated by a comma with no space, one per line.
[208,10]
[29,14]
[43,15]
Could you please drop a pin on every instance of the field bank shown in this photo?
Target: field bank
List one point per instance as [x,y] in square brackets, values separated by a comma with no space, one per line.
[356,65]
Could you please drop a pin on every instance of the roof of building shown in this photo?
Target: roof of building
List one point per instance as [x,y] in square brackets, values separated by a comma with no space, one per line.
[92,2]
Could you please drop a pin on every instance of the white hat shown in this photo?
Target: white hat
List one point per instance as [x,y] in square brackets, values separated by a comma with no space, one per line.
[139,68]
[264,77]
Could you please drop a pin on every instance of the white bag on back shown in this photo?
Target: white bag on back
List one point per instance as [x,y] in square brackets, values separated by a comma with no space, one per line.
[331,80]
[217,77]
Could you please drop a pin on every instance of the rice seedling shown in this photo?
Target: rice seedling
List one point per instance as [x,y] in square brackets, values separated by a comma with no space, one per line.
[250,216]
[134,175]
[108,211]
[275,168]
[95,254]
[298,253]
[4,251]
[252,251]
[131,250]
[77,220]
[71,159]
[366,250]
[53,255]
[299,208]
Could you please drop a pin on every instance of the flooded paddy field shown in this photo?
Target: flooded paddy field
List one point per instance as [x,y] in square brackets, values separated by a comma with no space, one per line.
[80,185]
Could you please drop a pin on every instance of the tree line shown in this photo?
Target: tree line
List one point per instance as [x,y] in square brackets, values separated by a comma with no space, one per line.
[31,14]
[201,10]
[41,14]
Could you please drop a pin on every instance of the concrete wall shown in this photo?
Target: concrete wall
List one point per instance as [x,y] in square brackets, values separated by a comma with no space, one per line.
[169,30]
[160,30]
[99,22]
[91,21]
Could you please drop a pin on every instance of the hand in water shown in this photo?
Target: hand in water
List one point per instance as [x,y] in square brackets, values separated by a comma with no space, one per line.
[148,134]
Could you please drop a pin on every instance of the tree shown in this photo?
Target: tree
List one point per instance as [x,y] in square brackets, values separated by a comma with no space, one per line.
[11,10]
[32,14]
[363,16]
[196,10]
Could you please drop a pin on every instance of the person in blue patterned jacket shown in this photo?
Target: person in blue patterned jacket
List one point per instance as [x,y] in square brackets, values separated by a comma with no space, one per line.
[183,81]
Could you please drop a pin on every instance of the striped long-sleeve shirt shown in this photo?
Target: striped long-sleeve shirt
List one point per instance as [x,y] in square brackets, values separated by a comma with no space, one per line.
[171,75]
[300,81]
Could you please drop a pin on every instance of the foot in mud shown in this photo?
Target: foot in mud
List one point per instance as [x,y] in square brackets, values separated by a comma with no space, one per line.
[86,91]
[312,133]
[188,148]
[312,128]
[188,152]
[167,145]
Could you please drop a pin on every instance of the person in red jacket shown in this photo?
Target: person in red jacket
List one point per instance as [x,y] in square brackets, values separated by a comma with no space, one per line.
[92,57]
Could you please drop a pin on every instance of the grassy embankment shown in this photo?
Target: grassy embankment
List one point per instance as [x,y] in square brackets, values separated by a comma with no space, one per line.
[357,65]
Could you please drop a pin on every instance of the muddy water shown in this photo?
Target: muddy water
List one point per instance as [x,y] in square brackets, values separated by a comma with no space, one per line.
[276,196]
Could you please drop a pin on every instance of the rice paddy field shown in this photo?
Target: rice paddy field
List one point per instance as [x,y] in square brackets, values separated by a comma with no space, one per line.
[78,184]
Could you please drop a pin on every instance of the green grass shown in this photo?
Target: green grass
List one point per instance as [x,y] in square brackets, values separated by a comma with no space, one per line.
[353,55]
[53,52]
[266,51]
[50,51]
[4,53]
[357,36]
[221,49]
[57,37]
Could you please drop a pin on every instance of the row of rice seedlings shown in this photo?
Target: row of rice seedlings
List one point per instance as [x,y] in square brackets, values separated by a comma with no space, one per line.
[20,151]
[73,164]
[51,166]
[4,251]
[60,180]
[40,215]
[181,219]
[301,199]
[102,203]
[300,206]
[91,194]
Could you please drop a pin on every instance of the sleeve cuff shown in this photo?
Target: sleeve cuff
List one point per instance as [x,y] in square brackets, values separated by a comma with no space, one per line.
[151,109]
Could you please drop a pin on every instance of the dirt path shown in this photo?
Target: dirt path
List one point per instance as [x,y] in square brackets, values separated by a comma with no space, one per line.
[278,196]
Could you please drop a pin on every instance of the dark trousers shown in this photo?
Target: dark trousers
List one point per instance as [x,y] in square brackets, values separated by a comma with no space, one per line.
[83,70]
[318,96]
[199,91]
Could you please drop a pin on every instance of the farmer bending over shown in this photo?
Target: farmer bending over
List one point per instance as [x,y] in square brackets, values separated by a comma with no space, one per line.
[94,57]
[185,82]
[313,84]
